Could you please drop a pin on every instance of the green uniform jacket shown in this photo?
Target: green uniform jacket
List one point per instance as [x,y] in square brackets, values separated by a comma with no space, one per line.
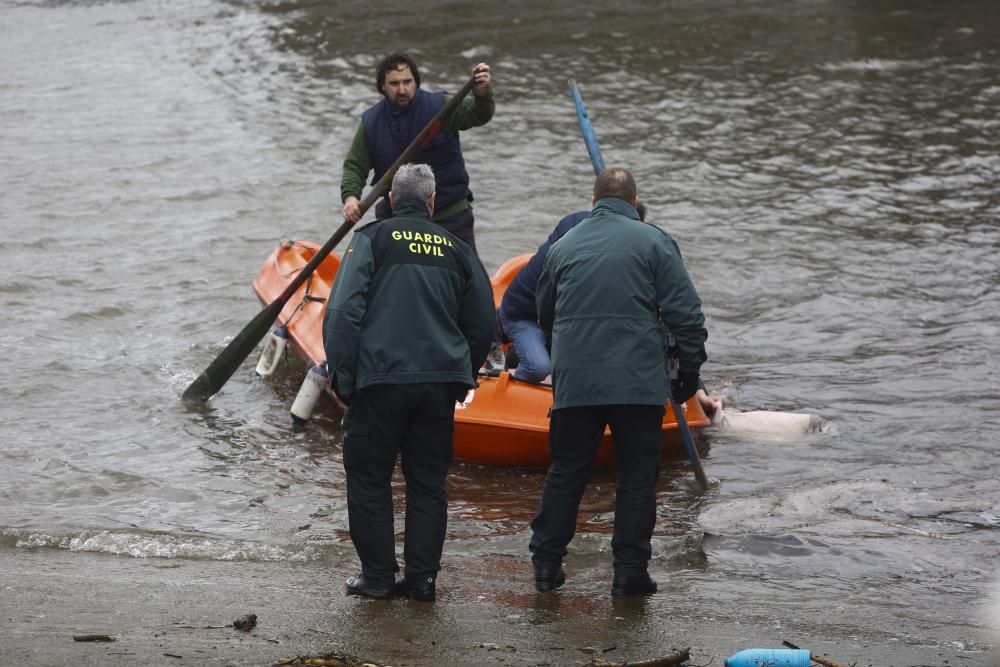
[472,112]
[609,289]
[411,304]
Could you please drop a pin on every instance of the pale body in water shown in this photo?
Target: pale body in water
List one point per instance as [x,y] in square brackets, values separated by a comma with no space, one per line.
[754,422]
[770,422]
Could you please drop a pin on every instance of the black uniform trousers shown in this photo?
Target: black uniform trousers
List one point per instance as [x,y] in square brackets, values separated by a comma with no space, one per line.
[416,421]
[574,436]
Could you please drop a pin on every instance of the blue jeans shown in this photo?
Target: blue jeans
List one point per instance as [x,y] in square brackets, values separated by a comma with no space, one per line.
[534,364]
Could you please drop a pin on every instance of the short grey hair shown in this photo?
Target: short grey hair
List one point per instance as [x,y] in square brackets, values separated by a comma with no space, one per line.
[413,181]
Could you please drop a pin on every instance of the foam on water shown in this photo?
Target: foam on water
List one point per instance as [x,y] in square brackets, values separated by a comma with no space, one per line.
[138,545]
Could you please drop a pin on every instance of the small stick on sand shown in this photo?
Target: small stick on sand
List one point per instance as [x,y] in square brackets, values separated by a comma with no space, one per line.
[676,658]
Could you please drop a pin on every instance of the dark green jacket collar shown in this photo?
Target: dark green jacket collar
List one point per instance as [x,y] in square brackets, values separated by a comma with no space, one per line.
[615,205]
[411,207]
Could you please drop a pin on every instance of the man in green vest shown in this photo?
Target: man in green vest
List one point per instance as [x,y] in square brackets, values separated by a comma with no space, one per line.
[390,125]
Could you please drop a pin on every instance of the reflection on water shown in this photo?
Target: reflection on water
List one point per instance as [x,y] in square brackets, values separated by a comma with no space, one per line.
[488,502]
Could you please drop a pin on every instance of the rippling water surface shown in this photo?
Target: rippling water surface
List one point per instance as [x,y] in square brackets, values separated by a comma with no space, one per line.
[830,170]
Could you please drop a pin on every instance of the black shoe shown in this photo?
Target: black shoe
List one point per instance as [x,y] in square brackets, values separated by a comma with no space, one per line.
[416,588]
[634,584]
[359,586]
[549,578]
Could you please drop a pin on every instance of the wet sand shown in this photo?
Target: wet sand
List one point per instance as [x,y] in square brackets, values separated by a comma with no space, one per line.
[486,613]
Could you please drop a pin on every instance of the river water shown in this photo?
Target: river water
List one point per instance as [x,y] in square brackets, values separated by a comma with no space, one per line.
[831,170]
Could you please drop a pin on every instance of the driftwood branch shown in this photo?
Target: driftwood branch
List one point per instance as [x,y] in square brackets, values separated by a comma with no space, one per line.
[676,658]
[815,658]
[245,623]
[326,660]
[94,638]
[825,662]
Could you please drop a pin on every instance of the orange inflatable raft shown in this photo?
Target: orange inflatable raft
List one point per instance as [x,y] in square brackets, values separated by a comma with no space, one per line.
[506,422]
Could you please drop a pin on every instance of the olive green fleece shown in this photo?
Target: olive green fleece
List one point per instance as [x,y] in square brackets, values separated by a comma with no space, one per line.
[474,111]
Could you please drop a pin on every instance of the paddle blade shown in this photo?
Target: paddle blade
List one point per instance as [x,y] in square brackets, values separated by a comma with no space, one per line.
[220,370]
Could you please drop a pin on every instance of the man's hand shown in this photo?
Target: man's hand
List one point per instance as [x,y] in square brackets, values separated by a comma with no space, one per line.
[708,403]
[352,209]
[343,399]
[482,74]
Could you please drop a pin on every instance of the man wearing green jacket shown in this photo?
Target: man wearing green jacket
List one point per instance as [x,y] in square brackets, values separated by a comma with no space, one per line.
[609,292]
[407,327]
[388,127]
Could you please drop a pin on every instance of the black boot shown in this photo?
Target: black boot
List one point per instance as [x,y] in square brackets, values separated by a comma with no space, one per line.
[549,577]
[360,586]
[625,585]
[417,587]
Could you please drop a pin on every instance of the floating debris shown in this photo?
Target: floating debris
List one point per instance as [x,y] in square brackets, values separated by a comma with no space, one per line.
[246,623]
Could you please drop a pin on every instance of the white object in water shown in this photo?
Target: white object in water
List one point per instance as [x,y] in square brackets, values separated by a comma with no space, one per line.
[309,393]
[274,348]
[770,422]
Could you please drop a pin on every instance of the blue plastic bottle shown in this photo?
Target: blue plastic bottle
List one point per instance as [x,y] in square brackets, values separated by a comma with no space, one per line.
[769,657]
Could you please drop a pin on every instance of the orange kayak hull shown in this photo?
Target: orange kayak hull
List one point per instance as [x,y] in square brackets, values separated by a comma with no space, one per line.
[506,423]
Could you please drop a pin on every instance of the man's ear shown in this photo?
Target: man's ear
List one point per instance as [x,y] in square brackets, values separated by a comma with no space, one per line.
[430,203]
[392,200]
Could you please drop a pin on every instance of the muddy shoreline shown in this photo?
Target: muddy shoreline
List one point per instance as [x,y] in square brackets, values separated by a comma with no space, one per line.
[162,611]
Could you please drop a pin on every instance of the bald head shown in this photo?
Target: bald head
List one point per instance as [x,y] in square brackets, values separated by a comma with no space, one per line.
[615,182]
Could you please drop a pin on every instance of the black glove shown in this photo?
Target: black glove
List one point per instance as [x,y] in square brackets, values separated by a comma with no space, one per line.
[685,386]
[461,391]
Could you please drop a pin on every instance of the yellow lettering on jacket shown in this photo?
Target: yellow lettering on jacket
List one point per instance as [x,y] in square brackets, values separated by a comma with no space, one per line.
[425,249]
[434,239]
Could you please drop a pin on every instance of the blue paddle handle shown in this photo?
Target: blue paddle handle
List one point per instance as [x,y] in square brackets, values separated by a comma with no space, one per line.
[594,149]
[587,129]
[682,424]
